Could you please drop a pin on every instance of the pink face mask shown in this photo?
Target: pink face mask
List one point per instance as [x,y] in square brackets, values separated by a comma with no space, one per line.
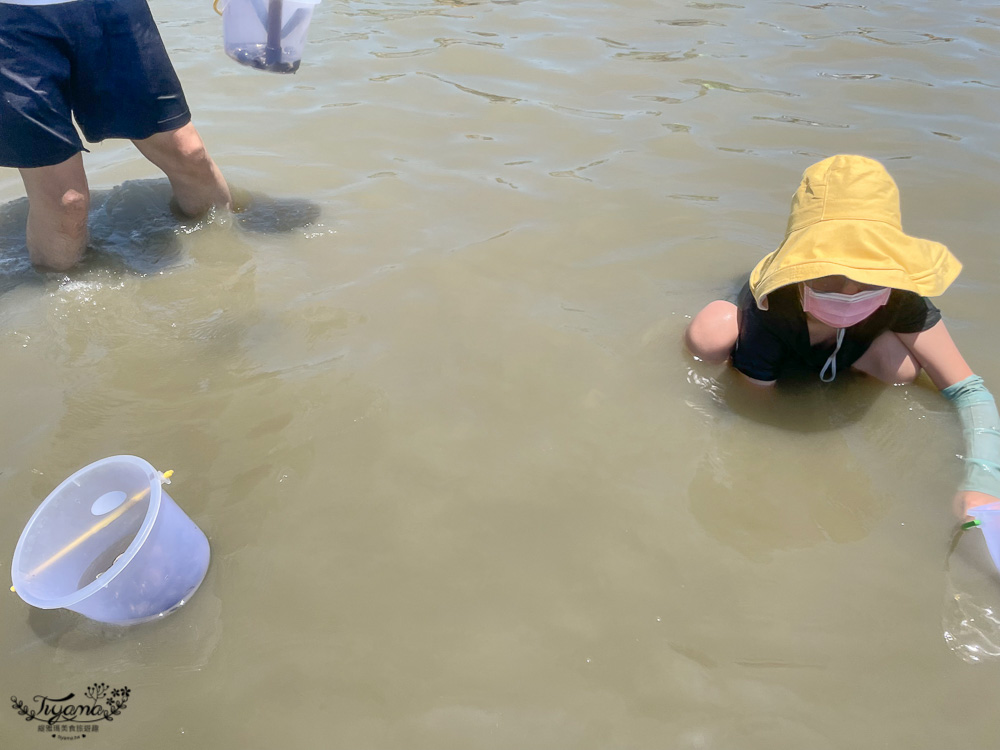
[842,310]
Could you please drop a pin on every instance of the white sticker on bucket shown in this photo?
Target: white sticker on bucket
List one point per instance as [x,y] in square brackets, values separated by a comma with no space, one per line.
[107,502]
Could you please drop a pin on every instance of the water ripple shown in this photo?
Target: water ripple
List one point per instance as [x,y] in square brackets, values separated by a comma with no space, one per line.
[707,86]
[469,90]
[586,112]
[441,43]
[659,56]
[613,43]
[852,76]
[689,22]
[801,121]
[885,36]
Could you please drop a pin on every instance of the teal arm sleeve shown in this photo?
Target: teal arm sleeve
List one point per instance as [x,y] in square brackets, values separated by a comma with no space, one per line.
[981,425]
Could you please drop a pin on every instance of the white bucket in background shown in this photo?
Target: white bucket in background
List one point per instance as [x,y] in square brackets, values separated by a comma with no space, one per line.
[266,34]
[110,544]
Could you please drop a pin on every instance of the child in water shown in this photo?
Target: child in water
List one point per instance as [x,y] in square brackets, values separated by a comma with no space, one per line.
[847,289]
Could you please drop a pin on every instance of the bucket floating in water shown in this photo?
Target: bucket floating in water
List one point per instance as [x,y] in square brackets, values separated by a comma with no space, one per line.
[266,34]
[111,544]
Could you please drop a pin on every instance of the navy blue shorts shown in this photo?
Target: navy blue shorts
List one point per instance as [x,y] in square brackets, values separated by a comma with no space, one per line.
[100,61]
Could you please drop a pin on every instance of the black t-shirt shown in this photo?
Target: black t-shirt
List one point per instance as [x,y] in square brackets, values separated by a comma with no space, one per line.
[775,342]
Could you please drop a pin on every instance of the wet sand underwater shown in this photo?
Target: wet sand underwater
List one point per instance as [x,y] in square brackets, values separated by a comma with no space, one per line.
[427,397]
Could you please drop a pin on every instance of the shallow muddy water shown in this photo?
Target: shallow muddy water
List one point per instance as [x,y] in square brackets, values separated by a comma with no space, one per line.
[427,397]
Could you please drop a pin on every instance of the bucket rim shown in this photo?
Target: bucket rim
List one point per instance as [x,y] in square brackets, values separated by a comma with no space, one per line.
[21,583]
[985,510]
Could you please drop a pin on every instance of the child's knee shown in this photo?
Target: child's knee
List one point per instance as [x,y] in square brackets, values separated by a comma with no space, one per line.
[73,208]
[897,373]
[907,371]
[712,333]
[888,360]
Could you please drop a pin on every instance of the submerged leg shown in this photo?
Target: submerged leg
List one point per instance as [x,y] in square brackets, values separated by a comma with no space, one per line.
[889,360]
[197,182]
[58,203]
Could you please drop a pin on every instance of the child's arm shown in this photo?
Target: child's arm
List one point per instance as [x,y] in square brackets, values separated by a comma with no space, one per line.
[938,355]
[978,412]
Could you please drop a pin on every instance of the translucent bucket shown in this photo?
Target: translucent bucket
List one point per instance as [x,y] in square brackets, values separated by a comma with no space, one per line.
[110,544]
[266,34]
[989,521]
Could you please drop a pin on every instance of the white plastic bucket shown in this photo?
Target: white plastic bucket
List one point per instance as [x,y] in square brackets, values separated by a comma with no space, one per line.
[989,521]
[266,34]
[110,544]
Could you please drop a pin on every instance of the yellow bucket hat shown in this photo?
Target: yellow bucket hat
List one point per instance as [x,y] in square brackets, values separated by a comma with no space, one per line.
[845,221]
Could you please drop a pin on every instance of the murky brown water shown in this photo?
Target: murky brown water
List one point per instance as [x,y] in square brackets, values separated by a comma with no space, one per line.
[464,488]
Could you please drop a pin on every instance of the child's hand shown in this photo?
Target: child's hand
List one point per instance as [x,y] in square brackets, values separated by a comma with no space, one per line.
[968,499]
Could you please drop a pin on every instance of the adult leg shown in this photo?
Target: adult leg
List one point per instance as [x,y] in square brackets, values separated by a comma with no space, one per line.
[712,333]
[889,360]
[196,180]
[58,202]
